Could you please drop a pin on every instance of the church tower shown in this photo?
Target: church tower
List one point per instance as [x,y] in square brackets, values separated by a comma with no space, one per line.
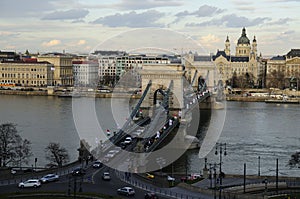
[227,46]
[243,47]
[254,46]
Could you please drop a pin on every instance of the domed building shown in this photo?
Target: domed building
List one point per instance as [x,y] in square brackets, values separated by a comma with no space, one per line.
[245,61]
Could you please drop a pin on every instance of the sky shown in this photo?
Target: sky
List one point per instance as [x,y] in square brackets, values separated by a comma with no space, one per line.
[78,26]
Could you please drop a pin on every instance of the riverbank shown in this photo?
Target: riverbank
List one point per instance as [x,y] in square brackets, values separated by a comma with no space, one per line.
[241,98]
[95,94]
[41,92]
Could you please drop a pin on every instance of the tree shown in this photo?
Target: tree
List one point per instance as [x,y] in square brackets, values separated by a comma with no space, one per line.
[242,81]
[276,79]
[295,160]
[13,149]
[22,151]
[56,155]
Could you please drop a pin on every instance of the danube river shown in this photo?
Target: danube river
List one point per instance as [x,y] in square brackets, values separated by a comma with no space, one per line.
[251,130]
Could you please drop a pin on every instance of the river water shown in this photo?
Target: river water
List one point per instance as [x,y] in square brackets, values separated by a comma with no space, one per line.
[251,129]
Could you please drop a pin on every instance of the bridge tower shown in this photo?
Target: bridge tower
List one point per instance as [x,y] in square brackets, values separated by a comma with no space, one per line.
[161,76]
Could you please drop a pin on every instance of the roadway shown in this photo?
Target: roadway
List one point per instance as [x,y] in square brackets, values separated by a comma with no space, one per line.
[92,183]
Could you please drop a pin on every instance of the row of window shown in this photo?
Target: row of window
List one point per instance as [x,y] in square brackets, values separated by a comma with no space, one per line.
[22,75]
[23,69]
[34,82]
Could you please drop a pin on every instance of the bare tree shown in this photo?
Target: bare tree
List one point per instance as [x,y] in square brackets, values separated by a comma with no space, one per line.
[22,152]
[56,155]
[276,79]
[12,147]
[295,160]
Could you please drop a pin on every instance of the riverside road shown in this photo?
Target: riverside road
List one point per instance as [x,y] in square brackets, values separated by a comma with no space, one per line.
[93,183]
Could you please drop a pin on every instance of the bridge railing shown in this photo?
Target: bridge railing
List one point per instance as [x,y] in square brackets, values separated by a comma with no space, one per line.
[164,134]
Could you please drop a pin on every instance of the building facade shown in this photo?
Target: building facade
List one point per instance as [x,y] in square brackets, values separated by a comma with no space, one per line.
[281,70]
[63,68]
[85,73]
[24,73]
[113,66]
[244,61]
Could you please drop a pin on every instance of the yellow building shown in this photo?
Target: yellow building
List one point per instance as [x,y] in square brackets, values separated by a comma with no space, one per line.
[245,61]
[24,73]
[63,69]
[282,69]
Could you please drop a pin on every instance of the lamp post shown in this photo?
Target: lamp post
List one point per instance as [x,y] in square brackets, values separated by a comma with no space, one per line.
[258,165]
[220,150]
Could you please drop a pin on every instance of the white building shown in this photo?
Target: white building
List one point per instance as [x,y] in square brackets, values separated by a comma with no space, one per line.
[85,73]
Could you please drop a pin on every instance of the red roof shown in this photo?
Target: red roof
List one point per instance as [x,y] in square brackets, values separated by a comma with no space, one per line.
[31,60]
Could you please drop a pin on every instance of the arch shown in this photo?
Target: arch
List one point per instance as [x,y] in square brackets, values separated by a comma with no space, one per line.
[201,84]
[155,95]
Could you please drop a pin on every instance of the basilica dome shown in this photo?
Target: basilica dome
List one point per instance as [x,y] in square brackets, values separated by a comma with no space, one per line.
[243,39]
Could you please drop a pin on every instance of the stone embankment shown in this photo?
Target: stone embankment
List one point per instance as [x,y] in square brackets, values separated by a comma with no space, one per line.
[68,94]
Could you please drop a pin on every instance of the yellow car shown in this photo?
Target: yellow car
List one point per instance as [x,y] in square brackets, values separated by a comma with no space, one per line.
[150,176]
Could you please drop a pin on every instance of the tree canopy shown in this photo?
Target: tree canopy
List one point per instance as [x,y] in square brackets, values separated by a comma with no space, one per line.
[295,160]
[14,150]
[56,155]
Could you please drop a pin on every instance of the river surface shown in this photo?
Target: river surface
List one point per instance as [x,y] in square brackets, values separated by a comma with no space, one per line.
[251,130]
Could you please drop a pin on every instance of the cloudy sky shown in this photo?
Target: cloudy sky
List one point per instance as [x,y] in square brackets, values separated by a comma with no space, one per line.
[80,26]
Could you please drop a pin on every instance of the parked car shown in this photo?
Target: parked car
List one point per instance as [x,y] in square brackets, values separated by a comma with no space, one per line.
[97,164]
[78,171]
[127,140]
[49,178]
[106,176]
[13,171]
[169,178]
[30,183]
[151,195]
[127,191]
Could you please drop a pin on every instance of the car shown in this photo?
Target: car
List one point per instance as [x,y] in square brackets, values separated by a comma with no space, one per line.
[97,164]
[127,191]
[30,183]
[110,154]
[151,195]
[78,171]
[49,178]
[13,171]
[106,176]
[149,175]
[116,150]
[169,178]
[127,140]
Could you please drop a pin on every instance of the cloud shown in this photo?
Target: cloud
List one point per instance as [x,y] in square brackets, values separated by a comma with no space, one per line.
[284,1]
[281,21]
[132,19]
[209,41]
[29,8]
[232,21]
[8,34]
[203,11]
[53,42]
[66,15]
[137,5]
[210,38]
[81,42]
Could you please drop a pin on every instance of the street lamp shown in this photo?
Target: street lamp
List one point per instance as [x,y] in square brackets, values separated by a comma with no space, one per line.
[222,151]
